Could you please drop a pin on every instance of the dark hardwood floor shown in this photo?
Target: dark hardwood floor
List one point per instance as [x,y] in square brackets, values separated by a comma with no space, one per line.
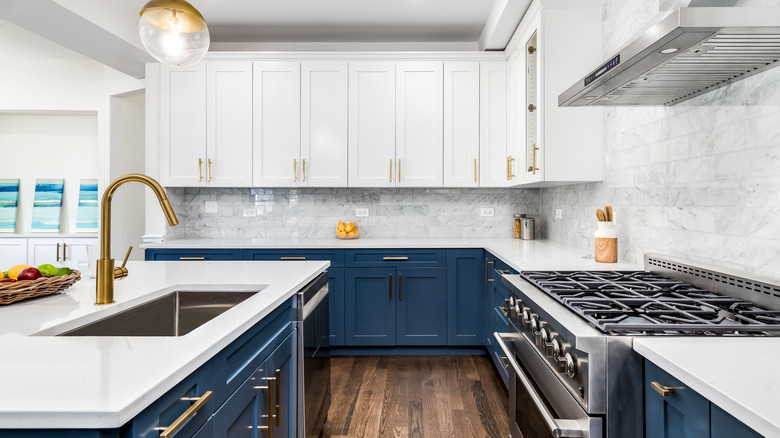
[416,397]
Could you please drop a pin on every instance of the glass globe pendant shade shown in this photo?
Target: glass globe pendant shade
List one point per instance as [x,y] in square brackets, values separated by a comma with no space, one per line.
[173,32]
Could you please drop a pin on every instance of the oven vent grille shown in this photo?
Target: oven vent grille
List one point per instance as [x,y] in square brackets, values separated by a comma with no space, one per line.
[716,280]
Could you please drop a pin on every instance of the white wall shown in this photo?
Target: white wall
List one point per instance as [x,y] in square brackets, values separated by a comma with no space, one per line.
[48,146]
[699,180]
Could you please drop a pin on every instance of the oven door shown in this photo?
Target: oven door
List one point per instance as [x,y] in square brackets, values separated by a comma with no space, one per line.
[532,413]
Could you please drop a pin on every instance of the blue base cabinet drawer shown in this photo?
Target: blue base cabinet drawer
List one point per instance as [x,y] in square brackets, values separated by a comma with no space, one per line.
[334,256]
[395,257]
[193,254]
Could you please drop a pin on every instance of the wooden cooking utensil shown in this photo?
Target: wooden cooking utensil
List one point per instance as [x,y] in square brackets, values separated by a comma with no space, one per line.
[600,215]
[608,210]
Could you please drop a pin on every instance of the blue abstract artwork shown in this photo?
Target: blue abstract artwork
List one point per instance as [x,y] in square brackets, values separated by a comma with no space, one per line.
[87,216]
[9,200]
[47,205]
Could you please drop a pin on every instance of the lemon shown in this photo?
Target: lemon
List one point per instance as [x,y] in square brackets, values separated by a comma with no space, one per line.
[350,226]
[62,271]
[47,269]
[14,271]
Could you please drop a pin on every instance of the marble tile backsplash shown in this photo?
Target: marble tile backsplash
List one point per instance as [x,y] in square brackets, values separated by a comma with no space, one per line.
[314,213]
[699,180]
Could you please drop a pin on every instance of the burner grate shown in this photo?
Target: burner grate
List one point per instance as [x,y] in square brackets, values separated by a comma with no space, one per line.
[640,302]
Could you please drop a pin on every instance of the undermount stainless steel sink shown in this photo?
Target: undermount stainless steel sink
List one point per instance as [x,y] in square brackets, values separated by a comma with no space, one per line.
[174,314]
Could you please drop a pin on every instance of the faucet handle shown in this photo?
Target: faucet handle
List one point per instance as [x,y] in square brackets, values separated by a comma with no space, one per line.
[121,272]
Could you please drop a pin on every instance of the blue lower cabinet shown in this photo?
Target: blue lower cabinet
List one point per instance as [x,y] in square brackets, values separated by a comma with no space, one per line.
[369,306]
[678,411]
[263,403]
[723,425]
[336,303]
[193,254]
[465,292]
[421,317]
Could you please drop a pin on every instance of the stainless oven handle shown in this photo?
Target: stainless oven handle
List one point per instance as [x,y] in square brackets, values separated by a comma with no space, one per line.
[558,428]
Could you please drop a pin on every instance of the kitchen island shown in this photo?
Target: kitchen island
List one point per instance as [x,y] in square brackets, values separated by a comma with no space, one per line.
[104,382]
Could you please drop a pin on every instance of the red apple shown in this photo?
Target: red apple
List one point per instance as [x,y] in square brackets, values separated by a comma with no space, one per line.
[7,280]
[29,274]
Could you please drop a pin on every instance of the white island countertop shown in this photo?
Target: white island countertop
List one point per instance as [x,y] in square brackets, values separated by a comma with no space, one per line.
[522,255]
[737,374]
[103,382]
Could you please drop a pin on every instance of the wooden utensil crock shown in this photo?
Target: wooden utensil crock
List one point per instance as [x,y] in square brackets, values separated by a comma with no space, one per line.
[605,243]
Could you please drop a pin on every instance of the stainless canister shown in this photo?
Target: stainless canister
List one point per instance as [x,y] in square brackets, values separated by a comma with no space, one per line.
[527,228]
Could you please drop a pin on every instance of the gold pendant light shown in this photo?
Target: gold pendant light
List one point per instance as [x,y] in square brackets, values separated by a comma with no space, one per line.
[173,32]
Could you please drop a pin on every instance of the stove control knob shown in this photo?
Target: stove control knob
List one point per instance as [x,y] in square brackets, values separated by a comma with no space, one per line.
[525,315]
[571,364]
[514,311]
[532,324]
[543,335]
[554,348]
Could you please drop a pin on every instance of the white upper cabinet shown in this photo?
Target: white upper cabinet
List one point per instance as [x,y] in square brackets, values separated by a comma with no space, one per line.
[206,126]
[229,124]
[183,126]
[276,121]
[371,124]
[555,145]
[323,124]
[496,166]
[461,124]
[419,124]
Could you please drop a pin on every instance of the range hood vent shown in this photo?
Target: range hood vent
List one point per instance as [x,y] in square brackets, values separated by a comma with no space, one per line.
[684,53]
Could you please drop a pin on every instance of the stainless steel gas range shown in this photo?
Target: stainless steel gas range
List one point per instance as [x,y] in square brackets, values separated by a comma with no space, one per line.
[573,372]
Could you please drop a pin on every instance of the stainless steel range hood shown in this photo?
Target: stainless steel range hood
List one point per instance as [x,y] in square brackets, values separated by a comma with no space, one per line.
[683,53]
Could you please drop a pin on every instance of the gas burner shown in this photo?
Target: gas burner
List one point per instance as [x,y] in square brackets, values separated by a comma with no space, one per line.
[639,302]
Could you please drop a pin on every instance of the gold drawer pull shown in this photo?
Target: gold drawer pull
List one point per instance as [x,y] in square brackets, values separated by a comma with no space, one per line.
[200,169]
[199,402]
[293,258]
[663,390]
[192,258]
[395,258]
[278,380]
[208,171]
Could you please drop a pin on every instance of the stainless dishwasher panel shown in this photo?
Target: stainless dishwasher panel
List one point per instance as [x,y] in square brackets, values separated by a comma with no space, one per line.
[314,353]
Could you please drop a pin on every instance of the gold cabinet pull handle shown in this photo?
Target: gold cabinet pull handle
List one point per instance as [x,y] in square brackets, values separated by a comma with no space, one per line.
[511,160]
[270,407]
[295,170]
[487,272]
[475,170]
[58,252]
[399,170]
[390,289]
[504,361]
[400,291]
[508,169]
[293,258]
[303,166]
[395,258]
[391,170]
[200,169]
[192,258]
[64,252]
[199,402]
[278,383]
[208,171]
[661,389]
[533,167]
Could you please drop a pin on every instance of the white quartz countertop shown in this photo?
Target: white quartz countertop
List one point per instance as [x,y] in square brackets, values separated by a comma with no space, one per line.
[737,374]
[102,382]
[522,255]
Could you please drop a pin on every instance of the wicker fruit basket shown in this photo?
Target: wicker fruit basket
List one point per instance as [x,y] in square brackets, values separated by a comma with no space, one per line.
[22,290]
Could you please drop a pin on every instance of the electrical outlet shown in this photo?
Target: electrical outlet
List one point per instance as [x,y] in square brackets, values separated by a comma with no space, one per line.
[212,207]
[250,212]
[558,213]
[487,211]
[361,212]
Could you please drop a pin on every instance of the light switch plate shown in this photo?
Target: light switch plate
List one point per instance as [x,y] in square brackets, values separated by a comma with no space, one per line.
[487,211]
[250,212]
[212,207]
[361,212]
[558,213]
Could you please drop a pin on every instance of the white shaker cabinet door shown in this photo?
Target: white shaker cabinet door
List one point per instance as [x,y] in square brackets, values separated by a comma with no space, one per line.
[496,166]
[461,124]
[276,121]
[183,126]
[229,127]
[324,124]
[13,251]
[419,148]
[371,124]
[44,250]
[76,250]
